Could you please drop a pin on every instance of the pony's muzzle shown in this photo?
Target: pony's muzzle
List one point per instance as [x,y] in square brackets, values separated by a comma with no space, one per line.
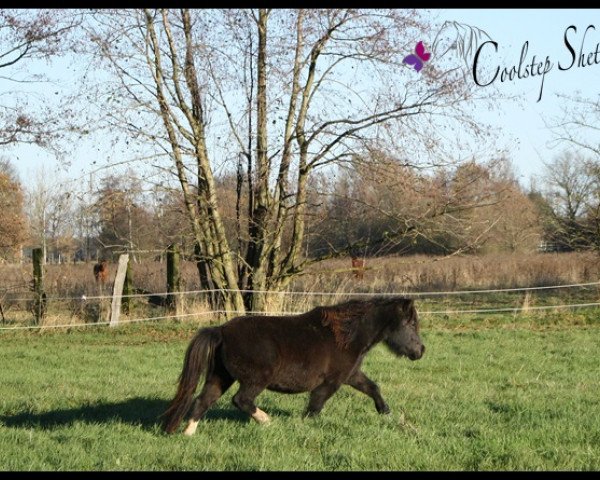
[417,354]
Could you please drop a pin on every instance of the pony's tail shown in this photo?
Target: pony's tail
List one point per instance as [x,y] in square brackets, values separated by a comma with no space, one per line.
[199,359]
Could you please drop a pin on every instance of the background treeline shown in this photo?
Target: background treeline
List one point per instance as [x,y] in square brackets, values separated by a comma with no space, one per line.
[473,208]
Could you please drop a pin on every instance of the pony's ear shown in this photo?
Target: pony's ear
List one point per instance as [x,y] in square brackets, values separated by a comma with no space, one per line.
[326,317]
[408,305]
[405,308]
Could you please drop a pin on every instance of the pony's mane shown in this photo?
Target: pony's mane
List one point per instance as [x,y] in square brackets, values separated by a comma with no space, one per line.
[344,318]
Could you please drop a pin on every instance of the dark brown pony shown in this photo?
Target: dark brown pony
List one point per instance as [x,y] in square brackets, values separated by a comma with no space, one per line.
[317,351]
[101,272]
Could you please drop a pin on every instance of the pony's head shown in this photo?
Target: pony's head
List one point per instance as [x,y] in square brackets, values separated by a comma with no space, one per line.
[402,335]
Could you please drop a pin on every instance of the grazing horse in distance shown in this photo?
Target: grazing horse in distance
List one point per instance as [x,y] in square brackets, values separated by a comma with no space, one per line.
[316,352]
[358,266]
[101,273]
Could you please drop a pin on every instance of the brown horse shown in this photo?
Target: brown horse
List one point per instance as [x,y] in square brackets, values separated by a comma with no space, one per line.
[358,266]
[101,272]
[317,351]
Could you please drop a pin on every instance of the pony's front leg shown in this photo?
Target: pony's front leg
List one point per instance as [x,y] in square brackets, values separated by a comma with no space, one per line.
[319,396]
[364,384]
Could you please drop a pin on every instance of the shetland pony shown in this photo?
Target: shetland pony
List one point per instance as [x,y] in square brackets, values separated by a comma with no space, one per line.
[317,351]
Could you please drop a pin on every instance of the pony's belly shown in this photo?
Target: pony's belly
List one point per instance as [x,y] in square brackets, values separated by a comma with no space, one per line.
[287,388]
[295,381]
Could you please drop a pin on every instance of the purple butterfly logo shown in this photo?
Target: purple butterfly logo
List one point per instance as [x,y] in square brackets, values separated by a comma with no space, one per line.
[418,59]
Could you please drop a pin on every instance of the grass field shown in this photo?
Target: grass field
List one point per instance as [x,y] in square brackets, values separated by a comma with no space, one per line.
[508,394]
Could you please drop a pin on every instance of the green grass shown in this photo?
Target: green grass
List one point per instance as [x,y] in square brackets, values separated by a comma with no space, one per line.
[488,398]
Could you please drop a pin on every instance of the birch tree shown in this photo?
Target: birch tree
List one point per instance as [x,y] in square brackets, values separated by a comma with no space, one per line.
[280,97]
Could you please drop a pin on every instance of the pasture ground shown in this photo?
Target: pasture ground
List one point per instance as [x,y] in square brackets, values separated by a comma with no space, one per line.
[499,392]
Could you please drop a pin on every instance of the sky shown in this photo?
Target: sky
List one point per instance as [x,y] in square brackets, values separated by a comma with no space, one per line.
[524,122]
[519,124]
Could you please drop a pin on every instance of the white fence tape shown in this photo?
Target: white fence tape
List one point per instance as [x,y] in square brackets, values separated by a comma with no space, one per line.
[327,294]
[216,312]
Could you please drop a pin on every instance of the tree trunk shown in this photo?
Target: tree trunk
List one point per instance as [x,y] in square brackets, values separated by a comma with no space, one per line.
[258,225]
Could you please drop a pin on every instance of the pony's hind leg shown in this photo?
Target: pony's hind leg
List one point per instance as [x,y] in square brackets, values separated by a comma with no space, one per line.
[244,400]
[364,384]
[215,386]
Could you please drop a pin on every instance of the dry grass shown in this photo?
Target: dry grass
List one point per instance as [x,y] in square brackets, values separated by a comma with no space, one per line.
[424,273]
[67,284]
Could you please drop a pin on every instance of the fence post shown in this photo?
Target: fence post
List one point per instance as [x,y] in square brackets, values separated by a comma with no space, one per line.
[117,294]
[38,285]
[127,290]
[173,277]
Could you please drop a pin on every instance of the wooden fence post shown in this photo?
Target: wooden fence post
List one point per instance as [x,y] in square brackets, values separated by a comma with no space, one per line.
[127,290]
[173,277]
[38,285]
[117,294]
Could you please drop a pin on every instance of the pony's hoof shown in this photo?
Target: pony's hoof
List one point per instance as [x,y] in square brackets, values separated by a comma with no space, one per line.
[191,428]
[261,417]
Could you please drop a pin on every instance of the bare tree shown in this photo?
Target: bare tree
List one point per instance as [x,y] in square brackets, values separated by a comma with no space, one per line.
[25,36]
[125,215]
[579,125]
[279,97]
[50,210]
[573,193]
[573,188]
[87,228]
[13,224]
[519,228]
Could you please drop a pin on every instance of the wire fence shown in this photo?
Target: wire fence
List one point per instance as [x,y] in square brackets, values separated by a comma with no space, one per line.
[423,295]
[324,294]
